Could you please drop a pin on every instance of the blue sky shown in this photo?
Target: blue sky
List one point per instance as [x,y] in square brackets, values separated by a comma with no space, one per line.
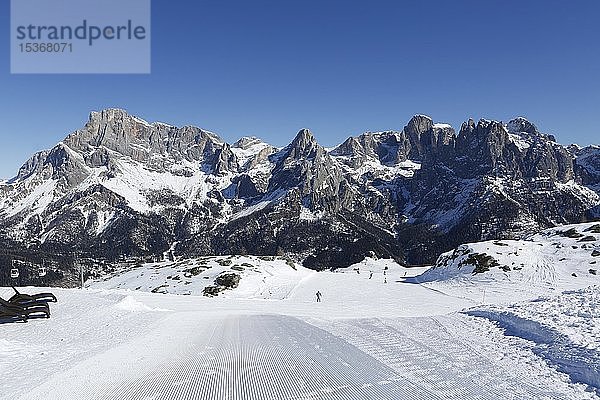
[269,68]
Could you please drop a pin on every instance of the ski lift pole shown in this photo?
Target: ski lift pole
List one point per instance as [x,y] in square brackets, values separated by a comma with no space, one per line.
[77,263]
[81,274]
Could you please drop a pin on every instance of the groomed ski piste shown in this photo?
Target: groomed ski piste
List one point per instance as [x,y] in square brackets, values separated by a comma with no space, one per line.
[527,326]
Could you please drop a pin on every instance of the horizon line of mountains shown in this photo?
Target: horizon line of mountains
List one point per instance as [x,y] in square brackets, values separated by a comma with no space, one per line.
[121,187]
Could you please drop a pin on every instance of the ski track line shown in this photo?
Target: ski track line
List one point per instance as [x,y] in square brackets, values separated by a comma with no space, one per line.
[419,351]
[293,290]
[247,357]
[582,364]
[259,357]
[432,331]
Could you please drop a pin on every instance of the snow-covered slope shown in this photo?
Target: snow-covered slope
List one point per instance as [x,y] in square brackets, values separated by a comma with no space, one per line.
[266,277]
[563,329]
[557,259]
[367,339]
[382,331]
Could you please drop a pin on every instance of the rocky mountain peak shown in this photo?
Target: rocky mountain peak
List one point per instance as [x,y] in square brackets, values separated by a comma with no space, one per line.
[34,164]
[109,114]
[116,131]
[527,130]
[350,147]
[588,166]
[389,148]
[521,124]
[419,124]
[488,147]
[304,136]
[246,142]
[112,128]
[304,145]
[484,130]
[414,130]
[467,126]
[224,160]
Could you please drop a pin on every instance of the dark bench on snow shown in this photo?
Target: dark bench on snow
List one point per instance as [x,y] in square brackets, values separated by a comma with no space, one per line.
[24,311]
[22,298]
[12,314]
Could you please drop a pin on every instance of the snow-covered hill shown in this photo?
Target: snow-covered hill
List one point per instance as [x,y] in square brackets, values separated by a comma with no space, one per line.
[562,329]
[557,259]
[252,277]
[249,277]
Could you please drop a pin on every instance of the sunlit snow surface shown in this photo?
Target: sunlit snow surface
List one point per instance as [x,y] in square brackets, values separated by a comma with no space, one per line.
[382,331]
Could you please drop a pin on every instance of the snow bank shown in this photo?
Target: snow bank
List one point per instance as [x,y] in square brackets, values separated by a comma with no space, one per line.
[564,329]
[131,304]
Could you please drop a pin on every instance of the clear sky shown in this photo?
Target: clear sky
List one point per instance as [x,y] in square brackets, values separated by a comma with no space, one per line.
[269,68]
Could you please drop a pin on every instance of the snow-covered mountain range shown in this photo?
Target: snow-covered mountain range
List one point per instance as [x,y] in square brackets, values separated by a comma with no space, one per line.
[123,187]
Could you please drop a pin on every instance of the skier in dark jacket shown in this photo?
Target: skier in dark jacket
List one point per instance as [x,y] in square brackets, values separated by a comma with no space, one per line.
[318,294]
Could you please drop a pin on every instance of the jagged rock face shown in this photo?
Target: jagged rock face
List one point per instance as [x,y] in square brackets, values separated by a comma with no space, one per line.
[34,164]
[546,160]
[491,182]
[389,148]
[305,165]
[115,130]
[438,141]
[522,125]
[123,187]
[419,139]
[588,166]
[416,128]
[251,152]
[487,148]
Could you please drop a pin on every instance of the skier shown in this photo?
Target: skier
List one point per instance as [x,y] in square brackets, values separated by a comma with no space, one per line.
[370,274]
[318,296]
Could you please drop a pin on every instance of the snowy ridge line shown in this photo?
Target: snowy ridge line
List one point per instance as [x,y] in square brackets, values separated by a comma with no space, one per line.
[580,363]
[260,277]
